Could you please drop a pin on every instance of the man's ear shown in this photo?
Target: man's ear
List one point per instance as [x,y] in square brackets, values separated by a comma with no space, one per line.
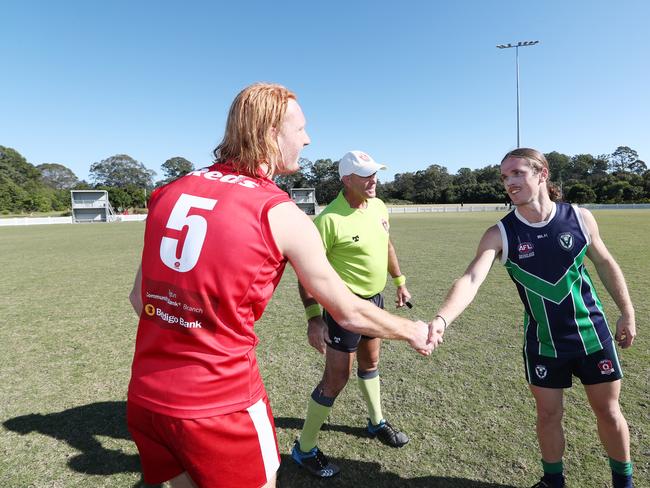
[543,174]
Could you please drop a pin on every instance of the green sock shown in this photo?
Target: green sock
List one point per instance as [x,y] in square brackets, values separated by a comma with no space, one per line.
[371,391]
[553,468]
[316,415]
[622,468]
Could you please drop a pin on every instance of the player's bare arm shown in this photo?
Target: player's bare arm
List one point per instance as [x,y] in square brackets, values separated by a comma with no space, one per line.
[612,277]
[464,289]
[136,292]
[403,295]
[317,333]
[308,259]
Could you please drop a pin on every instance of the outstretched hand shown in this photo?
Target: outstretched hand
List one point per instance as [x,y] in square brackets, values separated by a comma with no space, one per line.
[317,334]
[436,331]
[420,342]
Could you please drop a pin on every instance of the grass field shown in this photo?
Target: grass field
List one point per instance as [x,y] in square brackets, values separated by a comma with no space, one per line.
[68,333]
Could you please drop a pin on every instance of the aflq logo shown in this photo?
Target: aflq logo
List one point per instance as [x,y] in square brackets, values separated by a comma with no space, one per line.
[605,366]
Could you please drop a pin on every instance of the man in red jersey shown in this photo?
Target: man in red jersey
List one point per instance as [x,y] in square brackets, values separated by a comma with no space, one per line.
[215,247]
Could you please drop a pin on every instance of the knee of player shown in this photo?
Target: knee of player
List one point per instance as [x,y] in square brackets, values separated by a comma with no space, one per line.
[550,413]
[609,413]
[332,386]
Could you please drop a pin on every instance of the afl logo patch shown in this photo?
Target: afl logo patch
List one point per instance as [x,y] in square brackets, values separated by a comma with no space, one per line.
[541,371]
[525,250]
[566,240]
[525,247]
[606,367]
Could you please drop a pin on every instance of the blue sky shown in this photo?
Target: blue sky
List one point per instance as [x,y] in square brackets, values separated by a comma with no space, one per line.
[413,83]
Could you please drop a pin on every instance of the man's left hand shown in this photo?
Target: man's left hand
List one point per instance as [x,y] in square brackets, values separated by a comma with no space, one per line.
[403,296]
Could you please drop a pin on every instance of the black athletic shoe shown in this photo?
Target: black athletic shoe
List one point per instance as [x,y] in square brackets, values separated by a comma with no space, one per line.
[546,484]
[541,484]
[387,434]
[314,461]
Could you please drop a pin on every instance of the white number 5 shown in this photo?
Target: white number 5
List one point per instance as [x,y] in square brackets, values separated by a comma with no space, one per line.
[197,227]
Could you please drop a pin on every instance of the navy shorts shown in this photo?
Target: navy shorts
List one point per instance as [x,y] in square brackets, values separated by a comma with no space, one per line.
[599,367]
[342,339]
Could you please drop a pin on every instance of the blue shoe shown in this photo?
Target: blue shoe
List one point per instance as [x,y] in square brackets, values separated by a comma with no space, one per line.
[314,461]
[387,434]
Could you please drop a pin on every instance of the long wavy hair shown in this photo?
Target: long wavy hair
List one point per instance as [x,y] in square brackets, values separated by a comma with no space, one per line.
[248,142]
[536,161]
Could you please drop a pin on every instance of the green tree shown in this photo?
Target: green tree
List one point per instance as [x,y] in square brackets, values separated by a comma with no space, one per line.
[489,174]
[430,183]
[21,188]
[297,179]
[12,196]
[580,193]
[465,176]
[16,168]
[120,171]
[57,176]
[174,168]
[559,166]
[646,185]
[624,158]
[323,176]
[404,186]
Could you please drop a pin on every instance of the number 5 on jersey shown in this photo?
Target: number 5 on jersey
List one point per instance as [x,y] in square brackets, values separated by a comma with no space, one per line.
[197,227]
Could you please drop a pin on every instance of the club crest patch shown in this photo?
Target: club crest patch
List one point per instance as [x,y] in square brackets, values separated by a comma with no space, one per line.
[526,250]
[385,224]
[566,240]
[541,371]
[606,367]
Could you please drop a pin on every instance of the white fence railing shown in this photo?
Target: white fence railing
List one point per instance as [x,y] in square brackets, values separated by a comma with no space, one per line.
[393,210]
[457,208]
[35,221]
[12,221]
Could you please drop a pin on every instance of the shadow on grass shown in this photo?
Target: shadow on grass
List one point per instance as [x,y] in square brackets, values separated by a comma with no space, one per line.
[295,423]
[79,426]
[356,474]
[361,473]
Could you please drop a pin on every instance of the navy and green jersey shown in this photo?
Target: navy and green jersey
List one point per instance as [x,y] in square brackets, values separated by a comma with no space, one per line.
[563,315]
[356,243]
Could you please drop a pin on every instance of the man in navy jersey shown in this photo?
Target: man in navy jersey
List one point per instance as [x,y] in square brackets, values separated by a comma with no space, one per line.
[543,244]
[216,244]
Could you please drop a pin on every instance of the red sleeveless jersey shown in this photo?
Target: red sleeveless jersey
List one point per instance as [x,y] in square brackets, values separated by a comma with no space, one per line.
[209,268]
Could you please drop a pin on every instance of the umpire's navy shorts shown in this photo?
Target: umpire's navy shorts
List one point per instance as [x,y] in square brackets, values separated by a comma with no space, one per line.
[343,340]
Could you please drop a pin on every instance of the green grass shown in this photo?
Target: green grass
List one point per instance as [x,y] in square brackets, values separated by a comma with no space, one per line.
[68,333]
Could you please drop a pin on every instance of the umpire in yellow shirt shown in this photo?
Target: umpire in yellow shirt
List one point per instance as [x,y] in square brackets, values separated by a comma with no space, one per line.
[355,232]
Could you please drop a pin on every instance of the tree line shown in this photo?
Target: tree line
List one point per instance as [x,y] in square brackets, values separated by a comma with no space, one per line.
[619,177]
[26,188]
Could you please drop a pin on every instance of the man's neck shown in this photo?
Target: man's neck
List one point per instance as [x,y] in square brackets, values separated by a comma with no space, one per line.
[355,201]
[538,211]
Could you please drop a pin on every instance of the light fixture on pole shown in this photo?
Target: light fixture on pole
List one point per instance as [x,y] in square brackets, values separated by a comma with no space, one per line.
[517,46]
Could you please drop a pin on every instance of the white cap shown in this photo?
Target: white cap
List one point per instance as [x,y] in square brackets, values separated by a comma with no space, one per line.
[358,163]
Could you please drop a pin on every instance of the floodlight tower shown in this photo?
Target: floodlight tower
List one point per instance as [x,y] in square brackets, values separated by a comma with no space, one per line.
[517,46]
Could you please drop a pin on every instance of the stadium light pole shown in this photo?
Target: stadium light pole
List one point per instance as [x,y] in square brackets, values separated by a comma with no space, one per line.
[517,46]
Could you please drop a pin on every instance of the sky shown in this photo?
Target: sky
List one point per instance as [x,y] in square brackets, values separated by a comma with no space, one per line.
[413,83]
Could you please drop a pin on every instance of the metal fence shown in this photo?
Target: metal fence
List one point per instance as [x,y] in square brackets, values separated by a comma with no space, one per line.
[457,208]
[393,210]
[61,220]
